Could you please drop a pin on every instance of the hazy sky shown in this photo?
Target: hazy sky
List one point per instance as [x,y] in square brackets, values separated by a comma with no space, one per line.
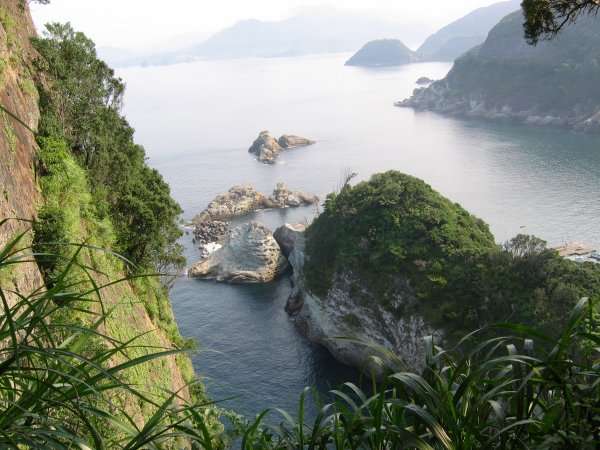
[143,23]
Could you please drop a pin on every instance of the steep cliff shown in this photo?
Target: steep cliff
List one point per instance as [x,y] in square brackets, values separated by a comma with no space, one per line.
[139,307]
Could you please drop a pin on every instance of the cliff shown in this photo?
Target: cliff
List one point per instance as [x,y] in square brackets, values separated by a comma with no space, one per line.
[505,78]
[30,183]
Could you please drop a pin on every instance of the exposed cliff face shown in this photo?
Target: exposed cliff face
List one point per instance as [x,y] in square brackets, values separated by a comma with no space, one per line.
[505,78]
[20,197]
[19,194]
[349,311]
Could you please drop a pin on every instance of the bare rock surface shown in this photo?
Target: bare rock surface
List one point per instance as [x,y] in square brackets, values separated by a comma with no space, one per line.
[283,197]
[239,200]
[291,141]
[250,254]
[268,149]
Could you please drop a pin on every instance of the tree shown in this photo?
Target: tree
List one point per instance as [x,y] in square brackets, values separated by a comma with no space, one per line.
[544,19]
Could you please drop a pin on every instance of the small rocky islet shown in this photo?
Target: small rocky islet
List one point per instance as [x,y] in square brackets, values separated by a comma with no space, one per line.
[268,149]
[222,247]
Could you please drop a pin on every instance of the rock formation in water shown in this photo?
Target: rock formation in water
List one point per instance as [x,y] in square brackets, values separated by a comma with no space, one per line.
[250,254]
[211,224]
[268,149]
[290,141]
[506,78]
[239,200]
[283,197]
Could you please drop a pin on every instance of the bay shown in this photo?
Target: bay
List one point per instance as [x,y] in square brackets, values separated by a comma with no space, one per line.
[197,121]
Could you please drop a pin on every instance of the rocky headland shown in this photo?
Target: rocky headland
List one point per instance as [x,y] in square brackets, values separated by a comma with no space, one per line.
[268,149]
[249,254]
[507,79]
[346,311]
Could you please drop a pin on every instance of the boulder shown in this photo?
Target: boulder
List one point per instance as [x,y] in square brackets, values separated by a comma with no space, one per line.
[266,148]
[239,200]
[283,197]
[290,141]
[250,254]
[290,236]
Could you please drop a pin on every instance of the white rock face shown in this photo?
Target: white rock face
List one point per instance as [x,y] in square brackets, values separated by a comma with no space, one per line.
[347,311]
[239,200]
[249,255]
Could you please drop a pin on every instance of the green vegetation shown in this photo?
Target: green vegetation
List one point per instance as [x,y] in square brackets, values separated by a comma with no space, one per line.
[506,75]
[68,385]
[394,231]
[81,108]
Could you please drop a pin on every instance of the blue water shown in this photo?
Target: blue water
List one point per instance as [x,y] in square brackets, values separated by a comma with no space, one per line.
[197,121]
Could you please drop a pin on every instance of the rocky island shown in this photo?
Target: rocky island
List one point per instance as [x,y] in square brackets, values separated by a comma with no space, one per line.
[383,53]
[268,149]
[250,254]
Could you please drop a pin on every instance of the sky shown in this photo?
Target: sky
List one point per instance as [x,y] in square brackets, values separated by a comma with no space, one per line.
[139,24]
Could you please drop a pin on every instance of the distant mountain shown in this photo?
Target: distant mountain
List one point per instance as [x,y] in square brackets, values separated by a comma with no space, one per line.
[463,34]
[382,53]
[553,83]
[296,36]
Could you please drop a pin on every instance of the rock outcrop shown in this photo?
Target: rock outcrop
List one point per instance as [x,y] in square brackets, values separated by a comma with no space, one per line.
[290,141]
[239,200]
[268,149]
[283,197]
[250,254]
[347,311]
[424,81]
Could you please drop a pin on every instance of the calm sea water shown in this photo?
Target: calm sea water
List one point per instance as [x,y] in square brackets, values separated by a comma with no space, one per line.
[196,122]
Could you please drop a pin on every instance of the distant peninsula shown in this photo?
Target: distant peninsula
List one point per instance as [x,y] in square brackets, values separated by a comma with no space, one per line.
[505,78]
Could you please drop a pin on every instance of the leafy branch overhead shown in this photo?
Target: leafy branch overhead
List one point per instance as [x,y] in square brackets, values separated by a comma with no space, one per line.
[544,19]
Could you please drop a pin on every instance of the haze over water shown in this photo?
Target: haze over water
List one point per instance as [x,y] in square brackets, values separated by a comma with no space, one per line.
[197,121]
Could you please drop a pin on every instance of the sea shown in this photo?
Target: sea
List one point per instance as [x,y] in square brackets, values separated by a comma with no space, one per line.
[197,121]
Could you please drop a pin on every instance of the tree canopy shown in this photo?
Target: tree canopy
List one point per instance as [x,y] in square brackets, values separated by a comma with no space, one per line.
[544,19]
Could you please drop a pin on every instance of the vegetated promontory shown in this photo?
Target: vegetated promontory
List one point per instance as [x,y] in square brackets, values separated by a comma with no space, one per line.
[390,261]
[383,53]
[548,84]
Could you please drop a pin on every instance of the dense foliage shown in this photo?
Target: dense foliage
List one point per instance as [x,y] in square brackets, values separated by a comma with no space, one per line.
[80,105]
[395,227]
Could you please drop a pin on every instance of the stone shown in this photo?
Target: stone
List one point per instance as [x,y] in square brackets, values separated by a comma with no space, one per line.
[425,80]
[266,148]
[290,141]
[239,200]
[250,254]
[290,236]
[283,197]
